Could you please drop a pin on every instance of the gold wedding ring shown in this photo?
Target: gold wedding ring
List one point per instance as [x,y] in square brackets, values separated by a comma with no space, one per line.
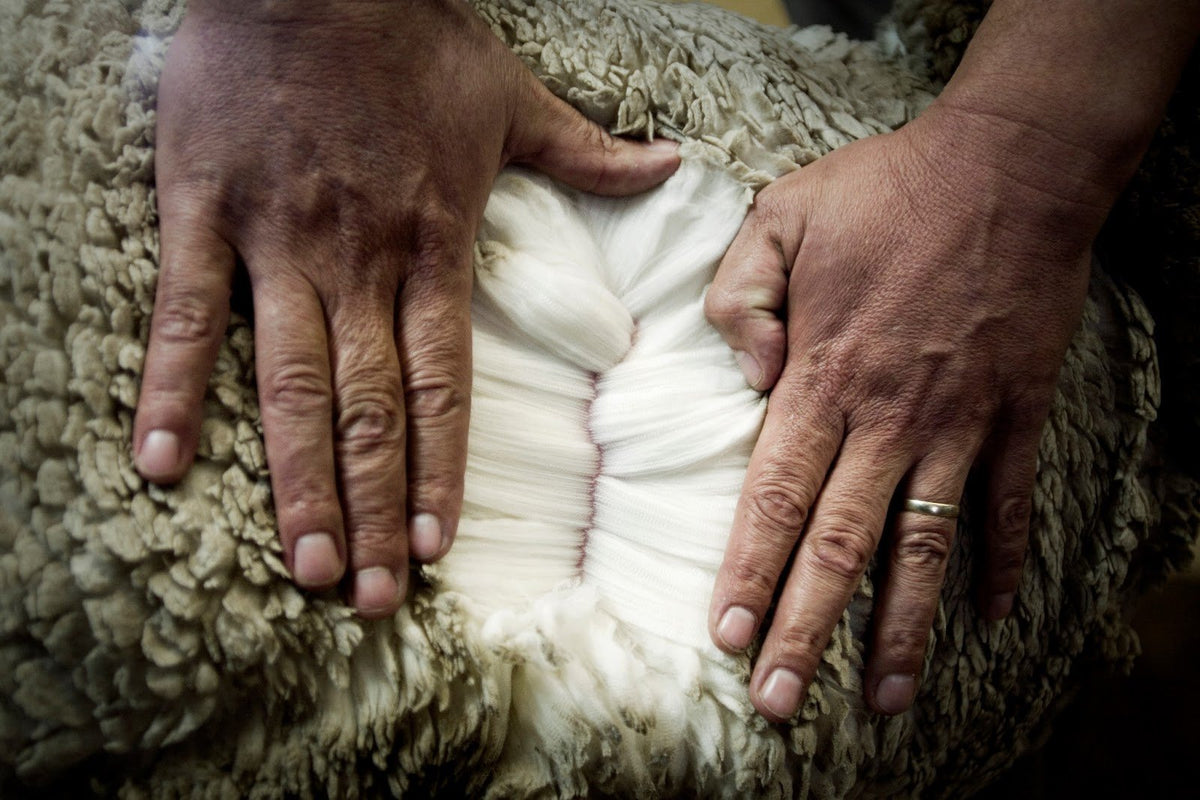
[946,510]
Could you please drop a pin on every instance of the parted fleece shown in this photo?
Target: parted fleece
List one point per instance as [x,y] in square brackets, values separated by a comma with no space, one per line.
[152,644]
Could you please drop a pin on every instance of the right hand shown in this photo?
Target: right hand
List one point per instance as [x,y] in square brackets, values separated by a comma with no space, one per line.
[345,153]
[909,308]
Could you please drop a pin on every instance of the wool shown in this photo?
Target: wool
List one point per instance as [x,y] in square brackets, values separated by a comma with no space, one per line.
[151,641]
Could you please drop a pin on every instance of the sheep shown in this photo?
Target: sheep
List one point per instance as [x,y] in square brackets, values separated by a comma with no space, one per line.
[153,645]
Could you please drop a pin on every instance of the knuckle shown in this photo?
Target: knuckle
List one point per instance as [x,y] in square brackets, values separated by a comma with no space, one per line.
[1010,518]
[594,136]
[369,419]
[904,642]
[927,547]
[436,474]
[892,422]
[433,492]
[376,527]
[596,139]
[806,416]
[305,501]
[438,242]
[432,396]
[316,200]
[297,388]
[720,305]
[842,548]
[769,206]
[1026,415]
[374,541]
[186,319]
[1008,538]
[827,375]
[966,414]
[753,578]
[1006,559]
[605,140]
[781,507]
[893,432]
[798,641]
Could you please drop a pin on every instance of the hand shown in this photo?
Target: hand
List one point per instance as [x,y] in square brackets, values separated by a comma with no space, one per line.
[929,303]
[345,153]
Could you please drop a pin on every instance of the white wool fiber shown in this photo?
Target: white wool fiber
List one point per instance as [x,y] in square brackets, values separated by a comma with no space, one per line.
[628,489]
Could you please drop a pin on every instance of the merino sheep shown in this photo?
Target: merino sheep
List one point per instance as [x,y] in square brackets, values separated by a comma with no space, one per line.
[151,642]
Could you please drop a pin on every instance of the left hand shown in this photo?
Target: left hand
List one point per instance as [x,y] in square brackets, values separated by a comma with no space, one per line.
[930,300]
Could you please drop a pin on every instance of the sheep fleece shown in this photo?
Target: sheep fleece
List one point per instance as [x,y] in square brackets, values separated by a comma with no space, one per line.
[151,643]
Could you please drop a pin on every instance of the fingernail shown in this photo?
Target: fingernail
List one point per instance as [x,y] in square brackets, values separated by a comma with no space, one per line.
[1000,606]
[662,146]
[375,590]
[895,693]
[750,368]
[424,536]
[736,628]
[781,693]
[159,454]
[315,561]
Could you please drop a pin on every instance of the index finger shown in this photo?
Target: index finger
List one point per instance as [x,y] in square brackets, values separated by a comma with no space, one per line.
[798,442]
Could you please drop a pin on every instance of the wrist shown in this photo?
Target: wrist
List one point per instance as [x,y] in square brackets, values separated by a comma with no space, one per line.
[1048,114]
[1042,106]
[1034,187]
[1045,143]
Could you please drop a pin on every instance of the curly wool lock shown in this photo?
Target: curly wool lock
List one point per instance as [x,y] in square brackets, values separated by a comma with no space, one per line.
[151,642]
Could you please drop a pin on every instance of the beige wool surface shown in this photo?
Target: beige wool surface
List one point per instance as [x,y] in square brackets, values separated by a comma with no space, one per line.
[151,643]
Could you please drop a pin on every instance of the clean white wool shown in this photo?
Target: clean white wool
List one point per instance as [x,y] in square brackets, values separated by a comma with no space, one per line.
[611,426]
[610,432]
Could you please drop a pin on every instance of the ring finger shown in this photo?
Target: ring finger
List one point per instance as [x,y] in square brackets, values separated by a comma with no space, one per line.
[369,445]
[920,549]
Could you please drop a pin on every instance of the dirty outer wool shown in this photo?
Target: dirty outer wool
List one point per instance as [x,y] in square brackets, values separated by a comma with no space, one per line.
[151,642]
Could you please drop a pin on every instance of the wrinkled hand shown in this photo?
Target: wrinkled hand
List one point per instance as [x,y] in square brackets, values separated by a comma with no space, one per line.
[929,302]
[345,152]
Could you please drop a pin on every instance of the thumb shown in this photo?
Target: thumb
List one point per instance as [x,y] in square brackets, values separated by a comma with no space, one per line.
[552,137]
[746,300]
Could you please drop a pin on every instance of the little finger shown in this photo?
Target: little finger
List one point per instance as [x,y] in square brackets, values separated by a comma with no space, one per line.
[191,309]
[1012,472]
